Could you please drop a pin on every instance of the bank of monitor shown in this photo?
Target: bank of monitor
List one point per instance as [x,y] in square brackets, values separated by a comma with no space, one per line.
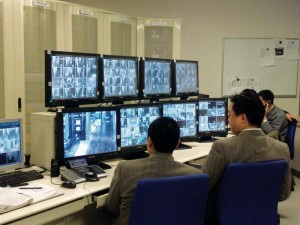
[155,78]
[185,113]
[134,121]
[90,133]
[185,79]
[213,117]
[71,78]
[11,144]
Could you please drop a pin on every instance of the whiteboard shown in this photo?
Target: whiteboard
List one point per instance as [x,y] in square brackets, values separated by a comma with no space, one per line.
[242,67]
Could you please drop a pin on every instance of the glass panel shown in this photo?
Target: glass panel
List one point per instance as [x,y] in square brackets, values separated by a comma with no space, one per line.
[1,64]
[120,39]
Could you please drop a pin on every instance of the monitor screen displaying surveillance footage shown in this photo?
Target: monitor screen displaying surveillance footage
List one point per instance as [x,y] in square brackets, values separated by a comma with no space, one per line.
[186,77]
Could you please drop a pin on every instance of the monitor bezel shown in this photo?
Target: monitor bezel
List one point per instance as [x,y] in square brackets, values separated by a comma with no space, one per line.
[223,133]
[186,138]
[183,95]
[140,148]
[49,102]
[19,164]
[118,99]
[157,96]
[93,158]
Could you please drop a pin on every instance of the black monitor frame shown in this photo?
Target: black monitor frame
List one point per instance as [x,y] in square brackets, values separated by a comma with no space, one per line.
[194,81]
[142,80]
[90,158]
[208,134]
[120,98]
[51,101]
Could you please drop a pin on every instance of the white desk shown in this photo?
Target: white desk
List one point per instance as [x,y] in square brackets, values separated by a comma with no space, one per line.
[74,200]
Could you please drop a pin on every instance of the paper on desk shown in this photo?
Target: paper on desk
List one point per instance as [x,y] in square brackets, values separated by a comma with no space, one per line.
[38,195]
[10,200]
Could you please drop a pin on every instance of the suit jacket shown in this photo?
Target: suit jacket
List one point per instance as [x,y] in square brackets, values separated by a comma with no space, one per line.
[128,173]
[247,146]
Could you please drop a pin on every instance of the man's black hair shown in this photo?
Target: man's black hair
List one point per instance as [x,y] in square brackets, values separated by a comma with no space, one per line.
[248,103]
[164,133]
[266,95]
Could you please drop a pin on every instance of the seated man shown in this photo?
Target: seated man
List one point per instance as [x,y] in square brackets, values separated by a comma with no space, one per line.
[275,118]
[163,138]
[250,144]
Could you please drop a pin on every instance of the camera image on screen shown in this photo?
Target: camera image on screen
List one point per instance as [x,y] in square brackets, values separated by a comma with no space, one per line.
[134,124]
[157,77]
[89,133]
[186,77]
[185,115]
[120,77]
[74,77]
[212,115]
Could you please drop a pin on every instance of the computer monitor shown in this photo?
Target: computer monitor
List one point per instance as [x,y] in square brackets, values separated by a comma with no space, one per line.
[185,113]
[90,133]
[119,78]
[185,79]
[11,144]
[135,120]
[155,78]
[213,118]
[71,78]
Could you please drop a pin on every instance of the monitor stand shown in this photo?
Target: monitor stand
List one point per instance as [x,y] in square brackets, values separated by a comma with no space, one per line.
[206,139]
[103,165]
[182,146]
[135,155]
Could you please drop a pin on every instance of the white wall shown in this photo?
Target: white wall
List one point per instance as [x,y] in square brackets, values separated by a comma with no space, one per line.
[205,23]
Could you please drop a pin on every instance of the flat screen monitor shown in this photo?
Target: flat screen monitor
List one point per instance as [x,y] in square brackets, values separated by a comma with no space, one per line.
[213,117]
[119,78]
[185,79]
[185,113]
[71,78]
[135,120]
[11,144]
[90,133]
[155,78]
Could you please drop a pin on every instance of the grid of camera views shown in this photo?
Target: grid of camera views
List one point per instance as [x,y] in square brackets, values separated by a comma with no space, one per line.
[186,77]
[74,77]
[87,133]
[185,115]
[10,143]
[212,115]
[120,77]
[135,122]
[157,77]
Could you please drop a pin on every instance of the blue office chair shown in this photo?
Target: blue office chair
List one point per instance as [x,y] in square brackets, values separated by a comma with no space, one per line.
[290,137]
[177,200]
[248,193]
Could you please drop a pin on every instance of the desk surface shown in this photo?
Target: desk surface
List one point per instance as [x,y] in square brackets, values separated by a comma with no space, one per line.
[82,194]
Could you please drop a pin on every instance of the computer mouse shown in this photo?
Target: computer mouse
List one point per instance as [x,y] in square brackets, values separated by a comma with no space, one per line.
[68,184]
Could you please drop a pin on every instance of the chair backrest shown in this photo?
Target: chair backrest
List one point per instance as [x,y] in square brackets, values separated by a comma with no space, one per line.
[290,137]
[179,200]
[248,193]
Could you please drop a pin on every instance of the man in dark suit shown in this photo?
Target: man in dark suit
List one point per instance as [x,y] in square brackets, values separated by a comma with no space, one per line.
[246,113]
[163,137]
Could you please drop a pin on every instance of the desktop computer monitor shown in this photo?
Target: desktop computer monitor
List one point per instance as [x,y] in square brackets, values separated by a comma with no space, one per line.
[90,133]
[185,113]
[135,120]
[213,117]
[11,144]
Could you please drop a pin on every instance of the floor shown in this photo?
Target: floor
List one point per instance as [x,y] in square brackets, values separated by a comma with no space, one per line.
[289,210]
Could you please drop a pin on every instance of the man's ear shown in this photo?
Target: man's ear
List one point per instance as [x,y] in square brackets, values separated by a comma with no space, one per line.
[244,118]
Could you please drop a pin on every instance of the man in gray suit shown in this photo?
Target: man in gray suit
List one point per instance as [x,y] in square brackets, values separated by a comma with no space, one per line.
[163,138]
[246,113]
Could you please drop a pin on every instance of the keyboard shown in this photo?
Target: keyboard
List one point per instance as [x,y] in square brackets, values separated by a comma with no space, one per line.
[71,175]
[81,170]
[19,176]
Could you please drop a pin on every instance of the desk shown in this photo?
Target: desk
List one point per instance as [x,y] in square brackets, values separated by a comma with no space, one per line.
[74,200]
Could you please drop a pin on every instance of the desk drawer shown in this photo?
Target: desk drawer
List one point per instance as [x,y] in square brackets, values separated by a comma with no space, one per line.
[100,198]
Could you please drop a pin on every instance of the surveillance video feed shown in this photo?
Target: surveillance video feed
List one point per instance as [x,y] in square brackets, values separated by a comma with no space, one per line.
[120,77]
[186,77]
[10,143]
[157,78]
[134,124]
[74,77]
[212,115]
[185,115]
[89,133]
